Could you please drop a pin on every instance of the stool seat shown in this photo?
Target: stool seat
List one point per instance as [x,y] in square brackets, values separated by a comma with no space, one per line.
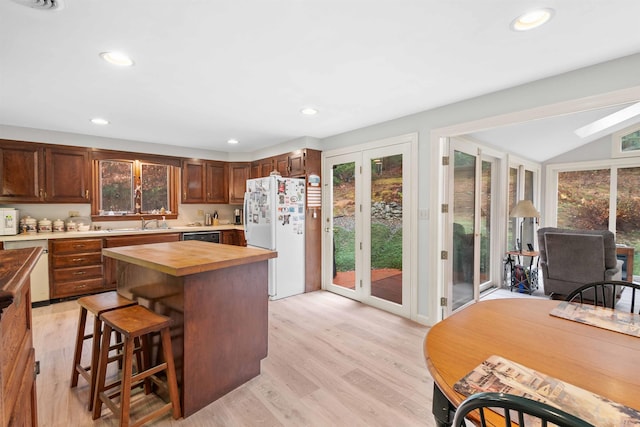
[95,304]
[136,322]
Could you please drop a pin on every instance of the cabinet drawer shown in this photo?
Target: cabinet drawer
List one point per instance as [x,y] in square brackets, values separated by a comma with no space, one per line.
[77,273]
[79,287]
[61,246]
[77,260]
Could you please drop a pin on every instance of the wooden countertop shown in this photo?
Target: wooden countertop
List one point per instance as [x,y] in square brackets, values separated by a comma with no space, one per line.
[15,267]
[188,257]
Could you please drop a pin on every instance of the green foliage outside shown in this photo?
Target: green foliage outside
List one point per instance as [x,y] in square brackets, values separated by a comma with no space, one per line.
[386,248]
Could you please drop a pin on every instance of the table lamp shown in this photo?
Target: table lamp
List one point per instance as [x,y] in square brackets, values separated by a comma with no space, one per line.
[524,209]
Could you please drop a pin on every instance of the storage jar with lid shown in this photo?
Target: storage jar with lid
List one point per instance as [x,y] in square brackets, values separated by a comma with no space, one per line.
[44,225]
[71,226]
[31,225]
[58,225]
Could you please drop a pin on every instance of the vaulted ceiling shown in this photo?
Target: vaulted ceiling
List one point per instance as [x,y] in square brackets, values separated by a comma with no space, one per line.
[208,71]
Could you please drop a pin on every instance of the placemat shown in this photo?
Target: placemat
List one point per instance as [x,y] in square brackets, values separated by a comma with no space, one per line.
[497,374]
[601,317]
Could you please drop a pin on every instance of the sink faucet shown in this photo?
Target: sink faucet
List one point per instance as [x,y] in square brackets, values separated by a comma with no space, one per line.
[145,223]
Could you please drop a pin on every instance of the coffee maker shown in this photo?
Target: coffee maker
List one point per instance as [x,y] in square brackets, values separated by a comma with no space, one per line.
[238,216]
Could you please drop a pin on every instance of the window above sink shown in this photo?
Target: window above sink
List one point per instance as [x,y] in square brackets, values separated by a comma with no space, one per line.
[128,186]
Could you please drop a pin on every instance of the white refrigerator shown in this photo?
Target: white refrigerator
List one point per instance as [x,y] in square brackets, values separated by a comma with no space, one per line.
[274,219]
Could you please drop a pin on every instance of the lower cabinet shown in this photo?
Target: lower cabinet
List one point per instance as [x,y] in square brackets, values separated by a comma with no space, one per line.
[110,272]
[76,267]
[233,237]
[18,406]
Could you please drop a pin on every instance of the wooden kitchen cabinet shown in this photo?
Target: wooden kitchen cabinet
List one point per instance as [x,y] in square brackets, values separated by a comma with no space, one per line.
[110,272]
[68,175]
[75,267]
[18,405]
[261,168]
[239,172]
[193,181]
[35,173]
[205,181]
[21,172]
[217,182]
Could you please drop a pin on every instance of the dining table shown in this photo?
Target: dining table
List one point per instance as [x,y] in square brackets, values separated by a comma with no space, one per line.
[522,330]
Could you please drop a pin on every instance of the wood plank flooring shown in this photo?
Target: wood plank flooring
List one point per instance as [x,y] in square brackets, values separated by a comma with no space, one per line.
[332,362]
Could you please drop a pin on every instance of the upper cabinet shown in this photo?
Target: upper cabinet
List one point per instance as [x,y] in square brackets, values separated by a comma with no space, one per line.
[205,181]
[193,181]
[261,168]
[238,174]
[21,172]
[33,173]
[217,180]
[68,175]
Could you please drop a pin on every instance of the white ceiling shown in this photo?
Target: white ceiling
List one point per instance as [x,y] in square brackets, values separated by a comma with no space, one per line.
[207,70]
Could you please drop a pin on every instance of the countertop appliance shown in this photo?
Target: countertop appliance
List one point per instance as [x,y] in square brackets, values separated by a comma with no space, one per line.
[274,218]
[40,273]
[8,221]
[205,236]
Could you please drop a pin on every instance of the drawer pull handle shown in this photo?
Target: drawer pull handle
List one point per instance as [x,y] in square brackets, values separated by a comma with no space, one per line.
[80,245]
[79,273]
[81,286]
[77,259]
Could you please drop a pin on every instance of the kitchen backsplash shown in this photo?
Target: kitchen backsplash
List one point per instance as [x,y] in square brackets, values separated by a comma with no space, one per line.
[187,214]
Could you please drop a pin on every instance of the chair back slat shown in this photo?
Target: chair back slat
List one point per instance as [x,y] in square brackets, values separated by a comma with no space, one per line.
[605,294]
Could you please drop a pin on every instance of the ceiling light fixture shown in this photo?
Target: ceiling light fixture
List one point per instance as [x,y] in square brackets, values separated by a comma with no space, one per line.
[609,121]
[117,58]
[308,111]
[99,121]
[533,19]
[232,141]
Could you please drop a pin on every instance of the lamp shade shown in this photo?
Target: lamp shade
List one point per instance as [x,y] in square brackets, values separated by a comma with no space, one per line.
[524,209]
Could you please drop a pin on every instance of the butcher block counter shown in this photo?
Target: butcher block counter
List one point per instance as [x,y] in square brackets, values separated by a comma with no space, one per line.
[217,297]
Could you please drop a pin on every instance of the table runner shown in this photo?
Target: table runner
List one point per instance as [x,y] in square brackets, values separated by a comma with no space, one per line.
[497,374]
[601,317]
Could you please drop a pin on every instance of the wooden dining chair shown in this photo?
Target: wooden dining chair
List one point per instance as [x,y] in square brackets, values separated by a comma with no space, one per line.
[606,294]
[520,410]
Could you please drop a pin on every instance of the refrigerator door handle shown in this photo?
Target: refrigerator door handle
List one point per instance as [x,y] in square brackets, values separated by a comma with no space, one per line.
[245,214]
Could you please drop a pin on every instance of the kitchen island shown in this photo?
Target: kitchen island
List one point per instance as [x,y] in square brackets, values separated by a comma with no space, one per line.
[217,296]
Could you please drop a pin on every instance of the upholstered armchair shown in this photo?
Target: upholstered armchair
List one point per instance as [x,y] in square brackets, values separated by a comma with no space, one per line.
[572,258]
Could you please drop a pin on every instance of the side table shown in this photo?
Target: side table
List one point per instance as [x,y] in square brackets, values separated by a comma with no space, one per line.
[530,282]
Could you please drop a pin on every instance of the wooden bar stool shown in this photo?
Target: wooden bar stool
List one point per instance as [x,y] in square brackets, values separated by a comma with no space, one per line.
[96,304]
[135,322]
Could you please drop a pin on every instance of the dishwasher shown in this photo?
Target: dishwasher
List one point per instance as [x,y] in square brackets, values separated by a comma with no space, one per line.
[40,273]
[205,236]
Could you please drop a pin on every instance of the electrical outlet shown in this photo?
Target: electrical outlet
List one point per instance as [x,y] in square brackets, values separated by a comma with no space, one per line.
[74,213]
[200,212]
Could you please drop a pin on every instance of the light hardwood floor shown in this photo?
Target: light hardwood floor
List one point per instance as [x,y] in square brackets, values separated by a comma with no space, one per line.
[332,362]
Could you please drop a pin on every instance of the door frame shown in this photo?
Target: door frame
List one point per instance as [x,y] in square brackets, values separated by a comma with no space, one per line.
[411,198]
[497,159]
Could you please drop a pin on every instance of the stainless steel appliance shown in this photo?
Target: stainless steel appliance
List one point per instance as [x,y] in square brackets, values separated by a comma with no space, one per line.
[238,216]
[205,236]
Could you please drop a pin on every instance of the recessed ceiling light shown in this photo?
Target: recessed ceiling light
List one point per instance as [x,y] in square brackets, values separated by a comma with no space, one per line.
[232,141]
[99,121]
[533,19]
[309,111]
[117,58]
